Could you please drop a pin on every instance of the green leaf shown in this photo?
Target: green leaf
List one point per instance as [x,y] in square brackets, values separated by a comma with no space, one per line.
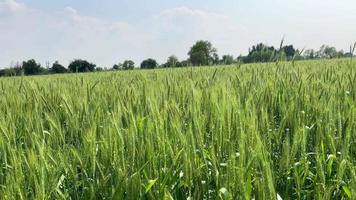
[167,196]
[150,185]
[248,187]
[347,191]
[330,160]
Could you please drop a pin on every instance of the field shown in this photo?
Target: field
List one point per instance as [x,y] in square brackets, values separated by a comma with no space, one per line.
[257,131]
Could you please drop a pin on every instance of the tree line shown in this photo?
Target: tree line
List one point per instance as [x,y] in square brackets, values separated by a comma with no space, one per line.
[202,53]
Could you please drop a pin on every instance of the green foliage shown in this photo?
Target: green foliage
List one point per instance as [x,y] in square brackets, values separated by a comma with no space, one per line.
[202,53]
[172,61]
[81,66]
[58,68]
[12,71]
[215,59]
[309,54]
[289,51]
[149,64]
[185,63]
[30,67]
[259,53]
[99,69]
[327,52]
[128,65]
[227,60]
[117,66]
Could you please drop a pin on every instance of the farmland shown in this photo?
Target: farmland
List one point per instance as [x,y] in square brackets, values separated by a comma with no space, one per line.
[228,132]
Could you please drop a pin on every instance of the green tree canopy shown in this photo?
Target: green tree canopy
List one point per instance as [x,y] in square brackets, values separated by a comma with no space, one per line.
[117,66]
[128,65]
[202,53]
[326,51]
[58,68]
[81,66]
[172,61]
[30,67]
[149,64]
[289,51]
[259,53]
[227,59]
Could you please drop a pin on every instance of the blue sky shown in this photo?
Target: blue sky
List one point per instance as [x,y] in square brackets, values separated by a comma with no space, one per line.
[110,31]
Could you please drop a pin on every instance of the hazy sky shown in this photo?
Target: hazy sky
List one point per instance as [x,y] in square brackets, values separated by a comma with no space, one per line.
[109,31]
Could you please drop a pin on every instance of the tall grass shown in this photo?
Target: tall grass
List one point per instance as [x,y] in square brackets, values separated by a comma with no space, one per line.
[255,131]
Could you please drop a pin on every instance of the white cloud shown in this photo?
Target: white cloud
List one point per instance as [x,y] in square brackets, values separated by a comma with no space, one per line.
[63,36]
[180,27]
[67,34]
[11,6]
[185,11]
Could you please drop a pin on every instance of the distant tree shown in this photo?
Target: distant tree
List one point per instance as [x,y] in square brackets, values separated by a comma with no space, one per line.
[179,64]
[128,65]
[57,68]
[241,58]
[2,72]
[341,54]
[261,47]
[99,69]
[259,53]
[185,63]
[326,51]
[289,51]
[172,61]
[227,59]
[201,53]
[348,55]
[149,64]
[17,70]
[81,66]
[117,66]
[309,54]
[12,71]
[330,52]
[215,59]
[30,67]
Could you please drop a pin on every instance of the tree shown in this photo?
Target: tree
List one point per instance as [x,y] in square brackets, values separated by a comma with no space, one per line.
[216,59]
[57,68]
[149,64]
[12,71]
[30,67]
[330,52]
[128,65]
[326,51]
[309,54]
[185,63]
[348,55]
[172,61]
[289,51]
[81,66]
[117,66]
[259,53]
[227,59]
[201,53]
[340,54]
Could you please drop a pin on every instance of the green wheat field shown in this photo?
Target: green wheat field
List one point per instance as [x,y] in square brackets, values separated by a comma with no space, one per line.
[260,131]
